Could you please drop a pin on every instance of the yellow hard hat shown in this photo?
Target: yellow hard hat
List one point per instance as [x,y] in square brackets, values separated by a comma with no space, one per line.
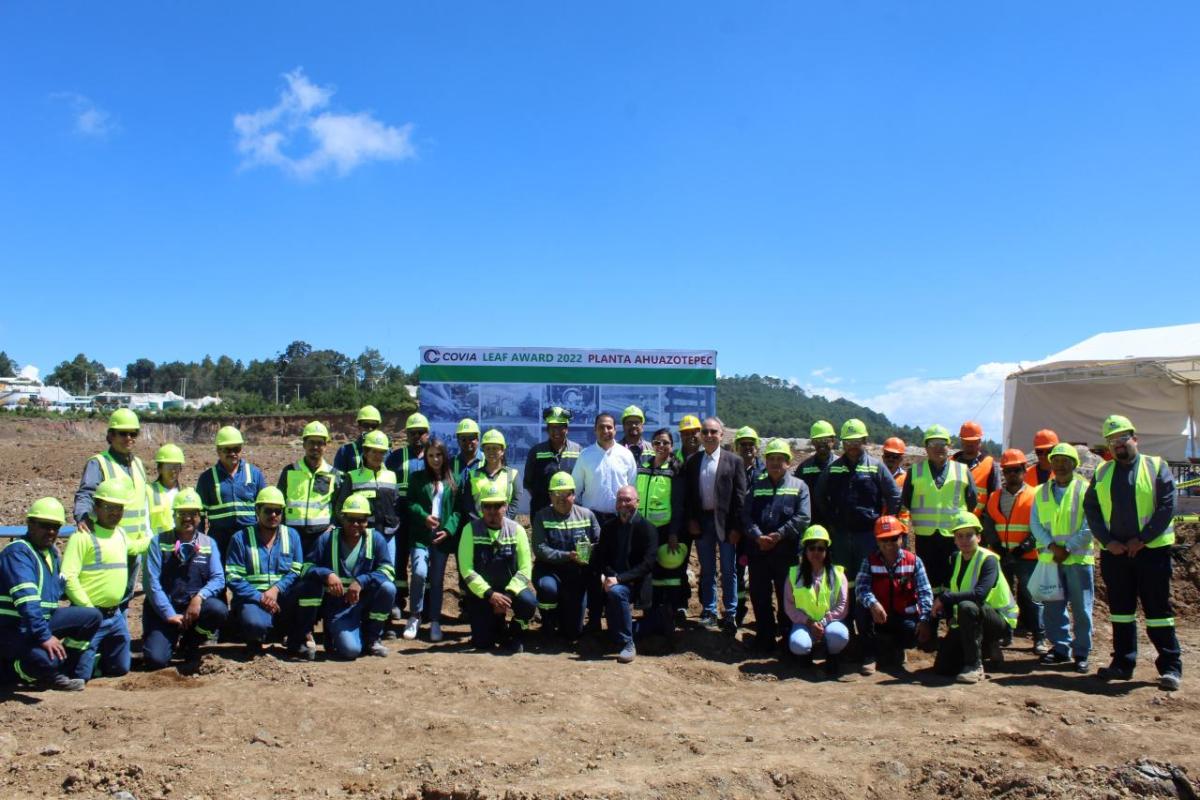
[169,454]
[315,429]
[187,500]
[118,491]
[357,504]
[369,414]
[229,436]
[47,509]
[123,420]
[690,422]
[270,496]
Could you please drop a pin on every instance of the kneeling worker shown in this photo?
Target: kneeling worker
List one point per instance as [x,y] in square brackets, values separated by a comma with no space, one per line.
[44,640]
[185,586]
[979,604]
[95,569]
[564,534]
[263,570]
[816,601]
[495,561]
[894,598]
[351,583]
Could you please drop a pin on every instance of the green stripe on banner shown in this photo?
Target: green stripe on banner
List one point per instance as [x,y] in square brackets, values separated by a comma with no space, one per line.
[650,376]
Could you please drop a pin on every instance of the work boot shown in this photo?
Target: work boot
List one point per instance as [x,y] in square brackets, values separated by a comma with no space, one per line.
[61,683]
[970,674]
[253,650]
[1054,657]
[867,669]
[994,653]
[1082,666]
[1041,646]
[303,653]
[627,654]
[379,649]
[1168,681]
[1113,672]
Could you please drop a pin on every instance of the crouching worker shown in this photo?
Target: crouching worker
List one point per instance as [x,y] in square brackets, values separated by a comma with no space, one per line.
[263,571]
[185,587]
[43,641]
[894,599]
[816,602]
[979,605]
[351,583]
[495,561]
[95,569]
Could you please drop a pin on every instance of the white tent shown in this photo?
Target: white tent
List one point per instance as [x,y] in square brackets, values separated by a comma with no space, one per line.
[1149,375]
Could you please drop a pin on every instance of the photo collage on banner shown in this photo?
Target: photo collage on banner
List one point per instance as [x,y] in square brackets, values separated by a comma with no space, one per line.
[508,389]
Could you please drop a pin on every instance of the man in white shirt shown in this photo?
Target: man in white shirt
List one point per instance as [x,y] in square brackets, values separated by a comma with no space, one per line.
[602,469]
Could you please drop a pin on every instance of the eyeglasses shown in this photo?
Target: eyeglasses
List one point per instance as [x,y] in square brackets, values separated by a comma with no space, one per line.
[662,444]
[1121,439]
[127,434]
[230,451]
[271,512]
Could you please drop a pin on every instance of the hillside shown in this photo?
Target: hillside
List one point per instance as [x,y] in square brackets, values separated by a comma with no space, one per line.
[774,407]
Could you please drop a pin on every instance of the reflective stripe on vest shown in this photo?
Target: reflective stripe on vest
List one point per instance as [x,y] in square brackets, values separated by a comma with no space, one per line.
[1064,519]
[1013,529]
[933,508]
[999,598]
[368,553]
[234,508]
[303,507]
[135,515]
[654,492]
[99,563]
[162,517]
[256,577]
[1143,492]
[814,600]
[368,482]
[8,605]
[506,480]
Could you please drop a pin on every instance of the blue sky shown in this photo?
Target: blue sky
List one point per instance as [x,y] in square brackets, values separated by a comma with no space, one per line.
[864,197]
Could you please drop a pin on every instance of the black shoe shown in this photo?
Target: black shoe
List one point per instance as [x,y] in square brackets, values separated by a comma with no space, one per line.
[1114,673]
[680,617]
[254,649]
[1082,666]
[1054,658]
[62,683]
[709,620]
[728,626]
[993,653]
[833,667]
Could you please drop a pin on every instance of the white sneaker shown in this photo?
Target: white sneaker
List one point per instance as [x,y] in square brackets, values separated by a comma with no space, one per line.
[410,627]
[435,632]
[970,674]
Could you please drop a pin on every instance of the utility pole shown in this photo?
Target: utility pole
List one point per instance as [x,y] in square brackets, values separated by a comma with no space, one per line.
[183,387]
[276,390]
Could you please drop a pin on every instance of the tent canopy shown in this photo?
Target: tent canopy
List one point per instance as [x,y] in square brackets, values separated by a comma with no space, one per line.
[1151,376]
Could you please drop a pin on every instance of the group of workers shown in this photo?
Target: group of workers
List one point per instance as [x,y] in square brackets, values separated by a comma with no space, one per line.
[362,545]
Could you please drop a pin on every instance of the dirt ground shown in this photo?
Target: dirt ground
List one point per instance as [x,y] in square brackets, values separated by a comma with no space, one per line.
[712,719]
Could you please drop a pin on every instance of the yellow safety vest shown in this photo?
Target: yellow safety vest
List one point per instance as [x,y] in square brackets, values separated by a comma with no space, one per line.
[964,580]
[1063,519]
[1143,491]
[306,507]
[137,513]
[162,516]
[934,508]
[814,600]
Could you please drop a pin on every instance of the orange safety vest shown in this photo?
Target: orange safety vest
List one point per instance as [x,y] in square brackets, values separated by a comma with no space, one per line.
[1031,476]
[980,473]
[899,478]
[1014,529]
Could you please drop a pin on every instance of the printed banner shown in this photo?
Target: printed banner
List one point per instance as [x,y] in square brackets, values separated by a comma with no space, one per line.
[508,387]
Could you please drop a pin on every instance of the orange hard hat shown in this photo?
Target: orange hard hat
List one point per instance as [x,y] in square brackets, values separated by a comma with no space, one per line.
[1044,439]
[894,445]
[1012,458]
[888,526]
[970,431]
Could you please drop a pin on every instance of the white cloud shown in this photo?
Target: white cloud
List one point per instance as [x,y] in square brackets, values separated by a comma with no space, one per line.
[825,374]
[29,371]
[90,119]
[300,121]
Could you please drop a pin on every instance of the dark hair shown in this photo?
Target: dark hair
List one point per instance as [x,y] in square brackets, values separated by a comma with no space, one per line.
[603,414]
[445,474]
[806,572]
[660,432]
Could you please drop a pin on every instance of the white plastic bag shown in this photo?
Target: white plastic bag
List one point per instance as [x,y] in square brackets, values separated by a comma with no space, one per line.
[1044,584]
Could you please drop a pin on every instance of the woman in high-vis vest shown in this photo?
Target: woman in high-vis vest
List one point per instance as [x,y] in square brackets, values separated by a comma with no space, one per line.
[978,604]
[494,471]
[816,601]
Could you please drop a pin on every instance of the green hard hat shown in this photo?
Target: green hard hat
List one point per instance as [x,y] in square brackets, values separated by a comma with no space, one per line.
[416,422]
[815,533]
[187,500]
[118,491]
[1065,449]
[965,519]
[1115,423]
[466,427]
[669,560]
[778,447]
[493,436]
[316,429]
[854,429]
[493,494]
[47,509]
[821,429]
[369,414]
[169,454]
[123,420]
[376,440]
[357,504]
[632,411]
[937,432]
[562,481]
[229,436]
[556,415]
[745,432]
[270,496]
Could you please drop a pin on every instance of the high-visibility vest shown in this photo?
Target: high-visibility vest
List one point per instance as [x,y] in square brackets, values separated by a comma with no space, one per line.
[815,600]
[236,507]
[1032,477]
[1013,529]
[136,517]
[934,508]
[964,580]
[255,576]
[162,516]
[505,480]
[1064,519]
[895,587]
[309,495]
[654,491]
[1143,492]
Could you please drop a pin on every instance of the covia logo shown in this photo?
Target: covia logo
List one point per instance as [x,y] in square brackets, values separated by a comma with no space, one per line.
[433,356]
